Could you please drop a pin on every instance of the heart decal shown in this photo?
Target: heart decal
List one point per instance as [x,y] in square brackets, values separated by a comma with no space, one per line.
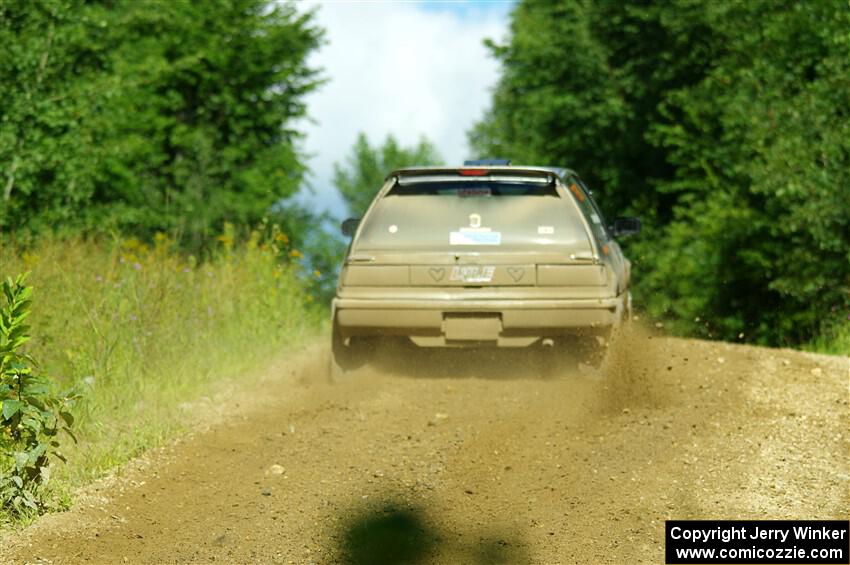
[516,273]
[437,273]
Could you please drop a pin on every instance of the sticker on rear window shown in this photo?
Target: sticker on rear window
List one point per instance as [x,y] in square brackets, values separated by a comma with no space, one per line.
[468,237]
[577,192]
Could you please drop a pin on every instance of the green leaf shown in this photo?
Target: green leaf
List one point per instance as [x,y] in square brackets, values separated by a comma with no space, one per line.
[20,341]
[7,290]
[30,501]
[67,417]
[21,311]
[25,293]
[35,388]
[21,458]
[32,424]
[10,408]
[19,330]
[35,402]
[37,452]
[18,481]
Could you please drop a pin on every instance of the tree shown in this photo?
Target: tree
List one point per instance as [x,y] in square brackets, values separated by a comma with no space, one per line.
[52,88]
[724,125]
[367,167]
[152,115]
[761,149]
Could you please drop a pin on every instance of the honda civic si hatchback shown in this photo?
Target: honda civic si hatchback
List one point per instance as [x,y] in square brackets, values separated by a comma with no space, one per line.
[480,256]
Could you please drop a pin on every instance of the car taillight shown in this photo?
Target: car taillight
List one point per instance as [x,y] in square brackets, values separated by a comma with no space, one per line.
[473,172]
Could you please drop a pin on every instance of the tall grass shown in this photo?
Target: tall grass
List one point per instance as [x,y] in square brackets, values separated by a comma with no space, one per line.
[141,329]
[834,342]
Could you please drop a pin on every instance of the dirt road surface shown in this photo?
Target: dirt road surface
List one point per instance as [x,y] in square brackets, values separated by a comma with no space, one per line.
[456,459]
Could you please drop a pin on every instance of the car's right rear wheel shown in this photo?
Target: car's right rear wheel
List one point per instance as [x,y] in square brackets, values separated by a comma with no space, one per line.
[585,354]
[593,349]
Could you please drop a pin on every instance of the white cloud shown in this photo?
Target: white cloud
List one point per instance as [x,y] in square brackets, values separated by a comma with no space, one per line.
[400,68]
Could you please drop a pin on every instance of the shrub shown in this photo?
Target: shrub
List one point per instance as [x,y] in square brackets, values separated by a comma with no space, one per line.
[145,332]
[32,413]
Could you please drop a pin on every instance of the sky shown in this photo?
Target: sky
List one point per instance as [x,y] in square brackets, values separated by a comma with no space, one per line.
[411,69]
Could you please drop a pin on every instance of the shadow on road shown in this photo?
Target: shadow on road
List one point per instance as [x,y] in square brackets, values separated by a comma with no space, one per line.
[395,534]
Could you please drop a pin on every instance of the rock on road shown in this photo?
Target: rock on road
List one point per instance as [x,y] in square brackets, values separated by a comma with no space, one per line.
[449,460]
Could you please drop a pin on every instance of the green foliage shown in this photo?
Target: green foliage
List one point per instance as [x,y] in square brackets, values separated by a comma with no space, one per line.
[151,115]
[32,414]
[835,341]
[147,332]
[51,94]
[317,238]
[363,175]
[778,100]
[724,125]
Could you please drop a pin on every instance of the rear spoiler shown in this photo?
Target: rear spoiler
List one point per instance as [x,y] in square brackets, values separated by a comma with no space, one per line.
[437,174]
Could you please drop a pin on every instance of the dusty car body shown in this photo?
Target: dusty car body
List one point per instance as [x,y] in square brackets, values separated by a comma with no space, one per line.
[480,256]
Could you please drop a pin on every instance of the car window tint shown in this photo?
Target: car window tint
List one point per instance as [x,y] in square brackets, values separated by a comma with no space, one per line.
[596,207]
[589,209]
[481,188]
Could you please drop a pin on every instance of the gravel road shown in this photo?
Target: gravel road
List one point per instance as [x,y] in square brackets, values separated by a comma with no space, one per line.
[452,458]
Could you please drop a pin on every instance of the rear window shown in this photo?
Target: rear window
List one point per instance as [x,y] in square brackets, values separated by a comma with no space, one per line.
[474,188]
[448,214]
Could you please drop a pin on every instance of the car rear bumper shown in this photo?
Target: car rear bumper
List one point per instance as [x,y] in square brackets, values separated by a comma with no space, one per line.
[505,323]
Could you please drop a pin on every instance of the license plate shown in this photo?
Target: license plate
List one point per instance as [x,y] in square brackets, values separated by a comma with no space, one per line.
[472,273]
[475,328]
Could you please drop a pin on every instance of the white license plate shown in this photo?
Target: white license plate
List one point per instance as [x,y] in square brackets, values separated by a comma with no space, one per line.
[472,273]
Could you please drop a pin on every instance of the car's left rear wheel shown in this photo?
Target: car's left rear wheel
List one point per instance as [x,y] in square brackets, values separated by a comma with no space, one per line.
[346,357]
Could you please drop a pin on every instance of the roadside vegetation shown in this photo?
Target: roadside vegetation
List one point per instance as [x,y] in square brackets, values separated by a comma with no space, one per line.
[33,413]
[140,331]
[140,144]
[836,342]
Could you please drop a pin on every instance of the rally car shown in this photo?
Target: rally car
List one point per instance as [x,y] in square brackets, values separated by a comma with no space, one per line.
[484,255]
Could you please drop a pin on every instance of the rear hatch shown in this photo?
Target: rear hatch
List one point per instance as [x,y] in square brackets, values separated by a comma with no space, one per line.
[451,230]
